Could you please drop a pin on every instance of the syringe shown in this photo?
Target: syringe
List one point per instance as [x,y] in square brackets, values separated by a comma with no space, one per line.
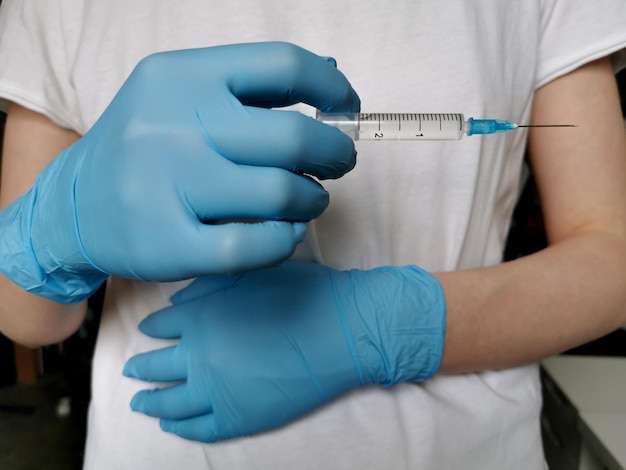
[416,126]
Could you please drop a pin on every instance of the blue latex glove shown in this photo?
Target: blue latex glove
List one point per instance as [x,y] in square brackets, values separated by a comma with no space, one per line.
[259,350]
[187,142]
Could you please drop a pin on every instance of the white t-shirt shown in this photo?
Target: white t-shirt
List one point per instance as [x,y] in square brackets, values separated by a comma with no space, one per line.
[441,205]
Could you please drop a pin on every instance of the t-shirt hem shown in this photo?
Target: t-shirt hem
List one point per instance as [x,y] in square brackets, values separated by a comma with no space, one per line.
[11,93]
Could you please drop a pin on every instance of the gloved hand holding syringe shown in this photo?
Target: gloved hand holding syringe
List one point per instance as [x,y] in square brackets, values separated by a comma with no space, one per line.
[414,126]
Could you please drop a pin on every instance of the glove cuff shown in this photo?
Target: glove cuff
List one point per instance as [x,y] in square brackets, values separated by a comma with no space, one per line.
[399,323]
[45,277]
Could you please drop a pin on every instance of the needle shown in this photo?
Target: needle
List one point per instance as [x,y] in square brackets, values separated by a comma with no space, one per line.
[548,125]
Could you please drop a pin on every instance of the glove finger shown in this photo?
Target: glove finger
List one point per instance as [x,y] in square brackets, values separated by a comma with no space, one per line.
[200,428]
[203,286]
[287,72]
[236,247]
[281,102]
[161,365]
[167,323]
[257,193]
[170,403]
[285,139]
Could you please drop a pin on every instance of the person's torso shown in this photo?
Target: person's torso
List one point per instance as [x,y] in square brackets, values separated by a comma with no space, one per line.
[441,205]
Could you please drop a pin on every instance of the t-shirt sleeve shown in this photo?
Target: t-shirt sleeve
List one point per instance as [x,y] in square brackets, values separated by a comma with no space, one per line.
[34,61]
[576,32]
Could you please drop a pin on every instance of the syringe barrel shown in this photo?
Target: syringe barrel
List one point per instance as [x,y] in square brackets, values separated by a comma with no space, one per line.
[396,126]
[348,123]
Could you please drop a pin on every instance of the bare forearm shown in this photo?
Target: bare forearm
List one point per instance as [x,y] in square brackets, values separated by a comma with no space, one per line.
[574,290]
[524,310]
[34,321]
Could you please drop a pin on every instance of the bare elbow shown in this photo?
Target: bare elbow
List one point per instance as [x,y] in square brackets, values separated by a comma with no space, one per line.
[33,321]
[41,336]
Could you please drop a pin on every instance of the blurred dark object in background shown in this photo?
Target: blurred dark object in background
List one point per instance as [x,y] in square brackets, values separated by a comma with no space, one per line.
[7,357]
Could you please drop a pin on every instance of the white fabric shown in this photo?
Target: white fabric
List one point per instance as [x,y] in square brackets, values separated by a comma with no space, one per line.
[441,205]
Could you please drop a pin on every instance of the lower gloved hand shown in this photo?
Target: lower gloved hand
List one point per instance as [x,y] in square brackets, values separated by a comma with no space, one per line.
[259,350]
[187,143]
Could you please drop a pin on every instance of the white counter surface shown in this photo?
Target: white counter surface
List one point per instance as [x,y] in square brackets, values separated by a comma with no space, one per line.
[596,387]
